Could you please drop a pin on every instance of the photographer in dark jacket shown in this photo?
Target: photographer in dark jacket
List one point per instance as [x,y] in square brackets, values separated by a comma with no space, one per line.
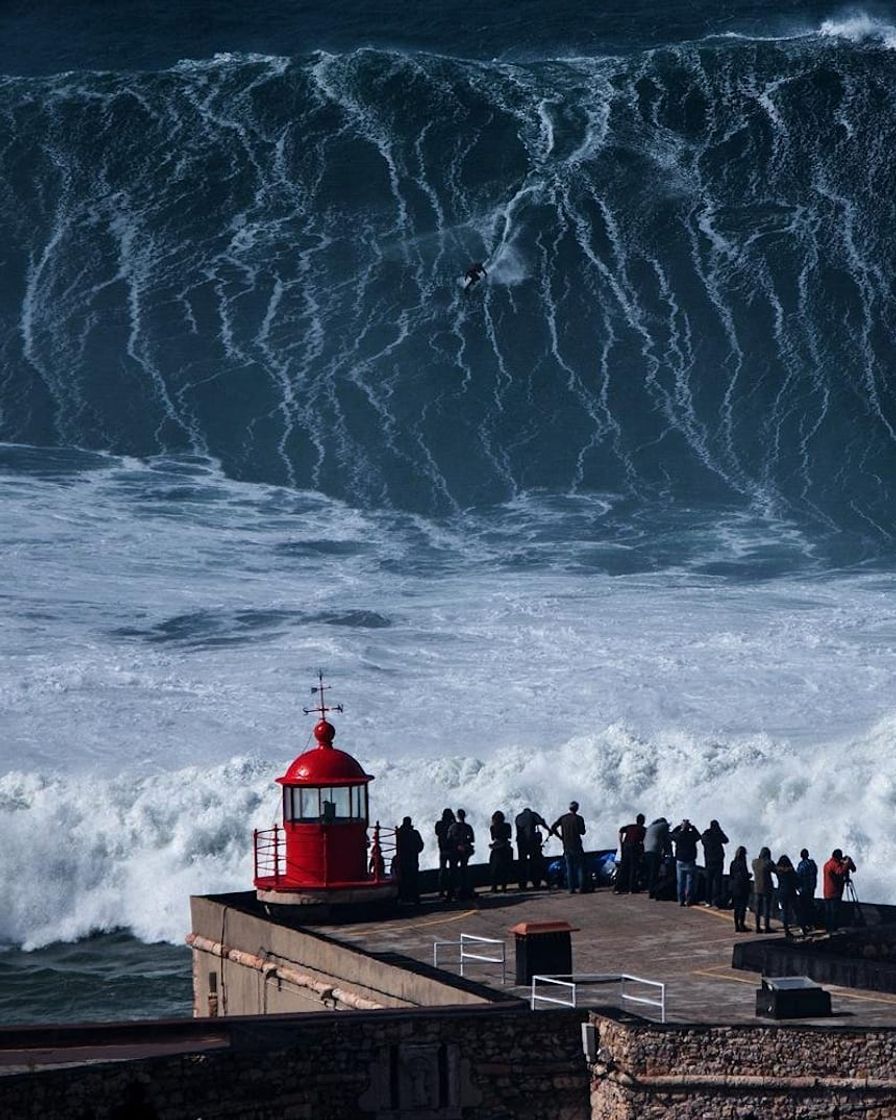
[461,838]
[714,841]
[631,856]
[685,838]
[528,846]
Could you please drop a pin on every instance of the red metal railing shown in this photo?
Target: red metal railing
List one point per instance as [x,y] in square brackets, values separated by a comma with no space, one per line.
[270,854]
[382,853]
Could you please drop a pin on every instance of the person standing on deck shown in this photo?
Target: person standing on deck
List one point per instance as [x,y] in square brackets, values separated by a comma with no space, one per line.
[762,889]
[685,837]
[807,882]
[500,858]
[835,876]
[461,838]
[446,853]
[657,846]
[528,846]
[631,856]
[570,828]
[739,884]
[408,846]
[714,841]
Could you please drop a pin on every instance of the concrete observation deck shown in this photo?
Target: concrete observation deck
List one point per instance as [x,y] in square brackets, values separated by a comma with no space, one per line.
[689,949]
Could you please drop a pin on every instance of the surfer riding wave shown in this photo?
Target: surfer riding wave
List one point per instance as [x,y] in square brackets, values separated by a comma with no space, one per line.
[473,275]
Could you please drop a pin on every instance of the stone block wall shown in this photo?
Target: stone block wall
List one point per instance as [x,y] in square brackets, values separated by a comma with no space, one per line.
[422,1065]
[645,1071]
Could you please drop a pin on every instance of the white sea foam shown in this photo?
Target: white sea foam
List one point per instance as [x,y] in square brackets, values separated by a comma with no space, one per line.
[859,27]
[850,25]
[88,854]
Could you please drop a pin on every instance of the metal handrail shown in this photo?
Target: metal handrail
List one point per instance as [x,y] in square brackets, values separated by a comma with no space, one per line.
[464,954]
[572,981]
[270,853]
[271,857]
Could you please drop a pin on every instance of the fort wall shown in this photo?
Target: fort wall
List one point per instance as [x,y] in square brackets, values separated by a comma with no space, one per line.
[482,1063]
[488,1064]
[647,1071]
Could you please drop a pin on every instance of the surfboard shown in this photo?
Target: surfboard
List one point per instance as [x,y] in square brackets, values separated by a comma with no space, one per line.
[468,283]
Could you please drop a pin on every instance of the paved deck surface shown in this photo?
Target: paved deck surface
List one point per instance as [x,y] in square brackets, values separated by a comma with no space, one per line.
[688,949]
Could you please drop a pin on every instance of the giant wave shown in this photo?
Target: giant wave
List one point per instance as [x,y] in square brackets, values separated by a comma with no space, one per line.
[255,258]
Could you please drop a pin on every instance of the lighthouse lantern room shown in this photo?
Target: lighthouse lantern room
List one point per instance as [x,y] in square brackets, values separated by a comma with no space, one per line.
[322,851]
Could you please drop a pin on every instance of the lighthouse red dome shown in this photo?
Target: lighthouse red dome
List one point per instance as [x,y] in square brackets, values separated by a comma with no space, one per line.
[325,764]
[325,767]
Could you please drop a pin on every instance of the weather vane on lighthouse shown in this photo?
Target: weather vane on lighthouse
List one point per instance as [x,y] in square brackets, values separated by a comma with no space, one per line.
[320,688]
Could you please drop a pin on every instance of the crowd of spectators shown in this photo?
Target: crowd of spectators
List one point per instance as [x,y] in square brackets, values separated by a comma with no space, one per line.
[655,858]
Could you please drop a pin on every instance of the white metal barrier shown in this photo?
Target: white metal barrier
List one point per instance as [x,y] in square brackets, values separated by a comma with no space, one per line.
[465,944]
[570,984]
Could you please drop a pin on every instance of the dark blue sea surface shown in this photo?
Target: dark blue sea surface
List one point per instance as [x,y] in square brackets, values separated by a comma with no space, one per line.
[251,424]
[107,977]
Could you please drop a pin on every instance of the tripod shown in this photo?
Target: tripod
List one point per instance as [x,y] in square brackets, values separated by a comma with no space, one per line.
[850,891]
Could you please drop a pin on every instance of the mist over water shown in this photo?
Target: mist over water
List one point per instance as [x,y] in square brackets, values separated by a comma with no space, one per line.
[616,525]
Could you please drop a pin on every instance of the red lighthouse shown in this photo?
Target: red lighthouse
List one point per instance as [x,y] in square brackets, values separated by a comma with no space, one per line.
[321,852]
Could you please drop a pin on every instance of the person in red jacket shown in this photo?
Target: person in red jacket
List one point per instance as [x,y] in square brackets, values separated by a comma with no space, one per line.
[835,876]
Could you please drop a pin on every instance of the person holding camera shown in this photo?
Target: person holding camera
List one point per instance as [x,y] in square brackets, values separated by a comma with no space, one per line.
[685,837]
[835,875]
[631,856]
[714,841]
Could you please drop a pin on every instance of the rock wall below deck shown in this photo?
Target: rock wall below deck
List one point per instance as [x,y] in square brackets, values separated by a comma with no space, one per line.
[445,1064]
[645,1071]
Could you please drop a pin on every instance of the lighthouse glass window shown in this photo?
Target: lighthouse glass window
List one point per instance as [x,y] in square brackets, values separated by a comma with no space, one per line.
[325,803]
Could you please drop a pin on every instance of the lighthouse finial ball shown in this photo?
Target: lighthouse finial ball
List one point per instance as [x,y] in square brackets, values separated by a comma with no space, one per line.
[324,732]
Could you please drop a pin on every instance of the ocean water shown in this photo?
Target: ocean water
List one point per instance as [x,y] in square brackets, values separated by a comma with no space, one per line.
[618,526]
